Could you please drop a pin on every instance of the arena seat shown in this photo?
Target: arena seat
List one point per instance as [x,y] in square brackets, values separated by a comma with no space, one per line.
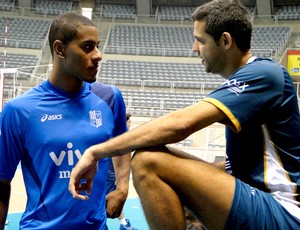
[158,102]
[158,75]
[120,11]
[23,62]
[176,13]
[181,13]
[52,7]
[24,33]
[6,5]
[270,40]
[287,12]
[176,41]
[151,40]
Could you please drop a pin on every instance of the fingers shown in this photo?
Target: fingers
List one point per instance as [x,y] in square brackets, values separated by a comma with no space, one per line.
[114,205]
[81,179]
[76,188]
[72,185]
[113,215]
[75,191]
[80,197]
[113,211]
[88,186]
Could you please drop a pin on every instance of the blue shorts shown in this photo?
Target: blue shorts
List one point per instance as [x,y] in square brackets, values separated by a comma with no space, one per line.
[255,209]
[110,186]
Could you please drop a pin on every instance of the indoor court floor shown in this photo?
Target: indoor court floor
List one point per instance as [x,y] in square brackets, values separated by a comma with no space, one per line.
[132,208]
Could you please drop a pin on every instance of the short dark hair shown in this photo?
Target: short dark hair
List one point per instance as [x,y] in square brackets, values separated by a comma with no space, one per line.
[226,16]
[64,27]
[128,115]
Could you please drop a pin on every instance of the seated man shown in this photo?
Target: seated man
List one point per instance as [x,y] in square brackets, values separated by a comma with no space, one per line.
[258,187]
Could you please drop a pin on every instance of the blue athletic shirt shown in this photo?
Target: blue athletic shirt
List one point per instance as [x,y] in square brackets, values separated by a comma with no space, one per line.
[111,176]
[48,130]
[263,140]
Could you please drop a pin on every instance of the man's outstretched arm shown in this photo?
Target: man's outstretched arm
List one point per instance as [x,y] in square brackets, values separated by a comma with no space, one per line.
[167,129]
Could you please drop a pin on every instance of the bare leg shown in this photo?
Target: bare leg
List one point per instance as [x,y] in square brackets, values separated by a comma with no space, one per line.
[122,219]
[159,194]
[121,215]
[166,182]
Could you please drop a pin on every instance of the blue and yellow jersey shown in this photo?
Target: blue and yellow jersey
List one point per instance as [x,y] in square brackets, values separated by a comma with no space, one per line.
[263,137]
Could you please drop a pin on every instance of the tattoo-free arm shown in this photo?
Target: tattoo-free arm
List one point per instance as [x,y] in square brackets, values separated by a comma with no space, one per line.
[116,199]
[122,170]
[171,128]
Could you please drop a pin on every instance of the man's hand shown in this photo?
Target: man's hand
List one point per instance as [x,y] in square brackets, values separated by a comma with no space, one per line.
[115,201]
[82,176]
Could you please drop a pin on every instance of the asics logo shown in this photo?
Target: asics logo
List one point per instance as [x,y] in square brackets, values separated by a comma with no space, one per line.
[51,117]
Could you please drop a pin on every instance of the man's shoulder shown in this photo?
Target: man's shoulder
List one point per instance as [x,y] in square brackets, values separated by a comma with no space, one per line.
[108,93]
[26,99]
[96,87]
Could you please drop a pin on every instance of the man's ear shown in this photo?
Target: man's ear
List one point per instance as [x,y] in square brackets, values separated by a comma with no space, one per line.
[226,40]
[59,48]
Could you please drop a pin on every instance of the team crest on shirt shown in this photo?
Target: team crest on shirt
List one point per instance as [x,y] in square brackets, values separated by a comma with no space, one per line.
[95,118]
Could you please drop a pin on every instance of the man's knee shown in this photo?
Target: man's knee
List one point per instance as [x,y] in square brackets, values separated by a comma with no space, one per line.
[145,161]
[142,159]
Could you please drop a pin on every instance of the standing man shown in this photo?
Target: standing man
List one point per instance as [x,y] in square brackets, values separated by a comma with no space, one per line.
[111,185]
[258,104]
[49,127]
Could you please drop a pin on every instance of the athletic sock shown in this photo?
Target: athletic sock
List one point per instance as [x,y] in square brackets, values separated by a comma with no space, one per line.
[123,221]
